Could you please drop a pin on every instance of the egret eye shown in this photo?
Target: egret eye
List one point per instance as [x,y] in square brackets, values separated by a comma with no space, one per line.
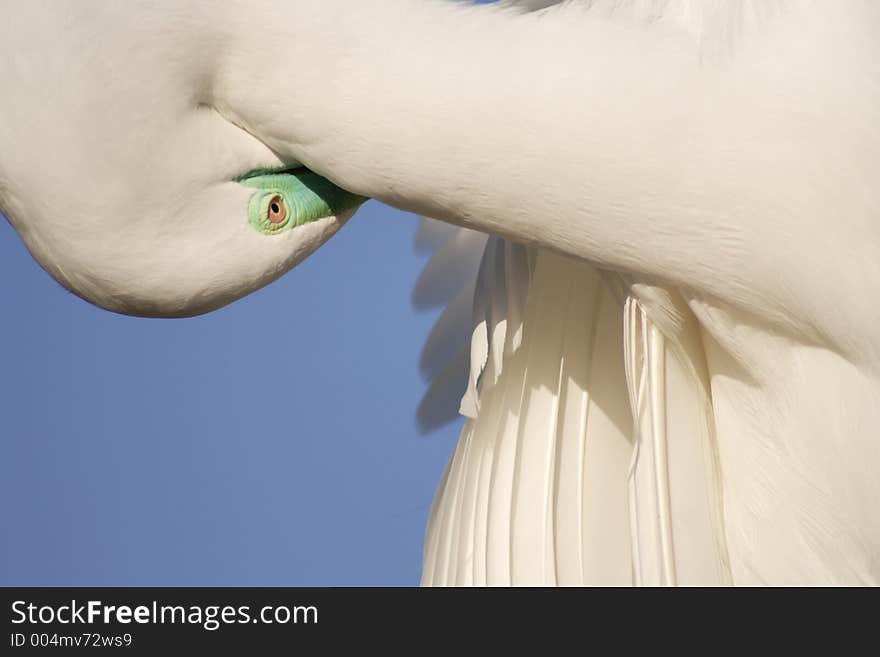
[291,197]
[277,210]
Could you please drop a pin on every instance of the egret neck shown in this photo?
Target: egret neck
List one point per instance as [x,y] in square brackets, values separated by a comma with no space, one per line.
[630,143]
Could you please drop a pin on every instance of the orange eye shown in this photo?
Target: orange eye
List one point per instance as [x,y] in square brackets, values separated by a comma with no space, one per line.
[277,210]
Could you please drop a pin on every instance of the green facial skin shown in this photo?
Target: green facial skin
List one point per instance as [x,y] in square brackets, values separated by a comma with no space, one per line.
[306,197]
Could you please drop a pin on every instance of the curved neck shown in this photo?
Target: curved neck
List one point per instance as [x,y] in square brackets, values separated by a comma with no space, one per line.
[609,139]
[470,114]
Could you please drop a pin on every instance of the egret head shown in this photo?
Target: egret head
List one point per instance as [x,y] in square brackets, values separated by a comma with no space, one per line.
[128,178]
[163,243]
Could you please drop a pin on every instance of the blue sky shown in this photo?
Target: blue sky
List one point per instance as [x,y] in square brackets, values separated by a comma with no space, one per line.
[206,451]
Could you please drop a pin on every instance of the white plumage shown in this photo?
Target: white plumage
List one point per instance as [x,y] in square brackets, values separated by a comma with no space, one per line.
[674,351]
[578,493]
[554,445]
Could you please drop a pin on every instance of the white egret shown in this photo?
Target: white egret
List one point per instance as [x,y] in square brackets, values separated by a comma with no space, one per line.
[675,361]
